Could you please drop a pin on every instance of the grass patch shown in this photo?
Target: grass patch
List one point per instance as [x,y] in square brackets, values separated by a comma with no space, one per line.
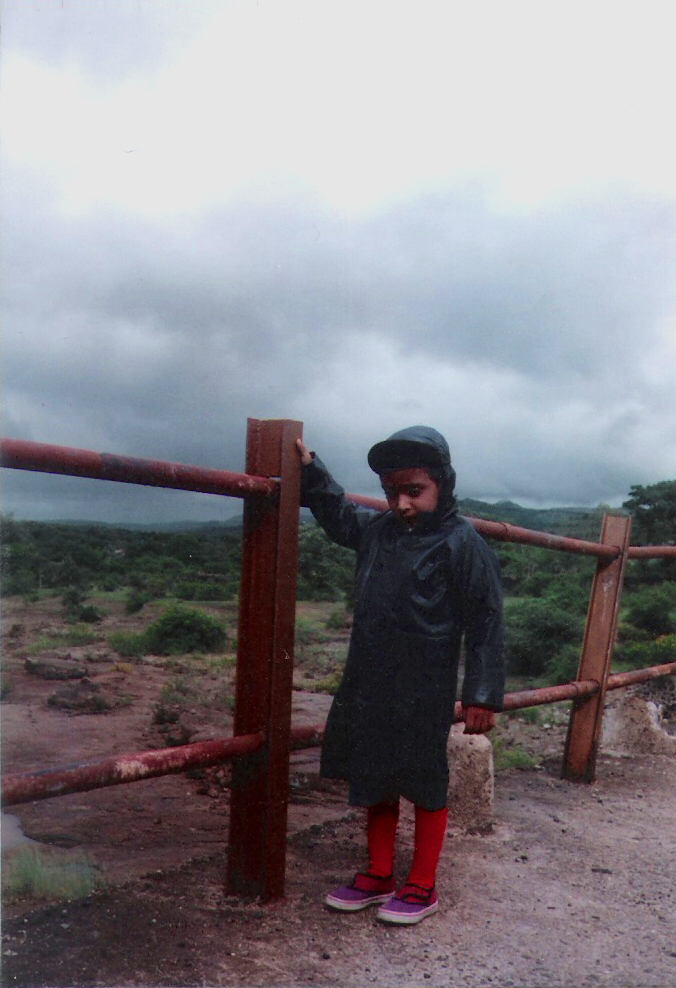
[329,685]
[221,663]
[70,638]
[110,596]
[511,756]
[310,642]
[128,644]
[31,873]
[529,715]
[124,667]
[337,620]
[225,700]
[308,631]
[179,691]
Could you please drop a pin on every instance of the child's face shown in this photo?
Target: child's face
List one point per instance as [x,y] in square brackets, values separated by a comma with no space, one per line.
[410,492]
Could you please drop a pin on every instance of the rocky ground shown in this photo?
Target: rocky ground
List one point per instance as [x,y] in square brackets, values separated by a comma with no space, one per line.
[572,886]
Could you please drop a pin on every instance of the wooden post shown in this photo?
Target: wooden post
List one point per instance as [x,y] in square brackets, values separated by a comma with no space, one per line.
[260,782]
[584,728]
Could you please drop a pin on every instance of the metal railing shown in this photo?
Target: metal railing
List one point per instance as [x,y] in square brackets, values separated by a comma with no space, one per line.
[263,735]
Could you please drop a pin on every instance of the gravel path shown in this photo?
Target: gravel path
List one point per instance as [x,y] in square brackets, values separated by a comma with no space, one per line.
[573,887]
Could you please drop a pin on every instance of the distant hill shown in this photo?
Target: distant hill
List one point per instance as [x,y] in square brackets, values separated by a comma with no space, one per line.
[235,522]
[581,523]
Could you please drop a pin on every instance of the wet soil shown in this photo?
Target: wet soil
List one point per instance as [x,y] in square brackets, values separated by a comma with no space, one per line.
[574,885]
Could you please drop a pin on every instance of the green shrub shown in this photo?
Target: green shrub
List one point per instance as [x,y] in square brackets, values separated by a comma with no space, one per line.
[563,666]
[174,696]
[650,609]
[570,592]
[305,631]
[180,630]
[654,653]
[336,621]
[329,685]
[196,590]
[90,614]
[135,601]
[130,644]
[630,633]
[164,714]
[537,631]
[179,691]
[325,570]
[19,584]
[306,635]
[72,602]
[109,584]
[75,609]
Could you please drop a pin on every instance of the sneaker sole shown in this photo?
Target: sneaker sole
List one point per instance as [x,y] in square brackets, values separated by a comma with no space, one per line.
[403,919]
[355,907]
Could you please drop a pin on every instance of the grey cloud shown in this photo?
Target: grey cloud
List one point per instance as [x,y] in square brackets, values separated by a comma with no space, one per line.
[159,337]
[551,293]
[542,293]
[104,39]
[159,340]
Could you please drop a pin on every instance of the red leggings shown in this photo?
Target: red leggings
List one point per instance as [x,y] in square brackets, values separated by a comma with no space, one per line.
[430,827]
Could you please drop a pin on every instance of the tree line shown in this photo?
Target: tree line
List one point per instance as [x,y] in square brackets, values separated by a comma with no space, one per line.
[547,592]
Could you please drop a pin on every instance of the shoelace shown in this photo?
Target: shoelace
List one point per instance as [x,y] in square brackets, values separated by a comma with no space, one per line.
[423,895]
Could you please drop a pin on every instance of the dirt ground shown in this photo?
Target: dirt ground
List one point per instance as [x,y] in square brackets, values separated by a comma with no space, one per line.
[574,885]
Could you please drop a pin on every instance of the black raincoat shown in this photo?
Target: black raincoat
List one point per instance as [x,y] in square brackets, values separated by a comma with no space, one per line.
[417,592]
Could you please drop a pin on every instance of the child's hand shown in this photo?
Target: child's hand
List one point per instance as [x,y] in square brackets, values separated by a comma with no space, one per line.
[303,452]
[478,720]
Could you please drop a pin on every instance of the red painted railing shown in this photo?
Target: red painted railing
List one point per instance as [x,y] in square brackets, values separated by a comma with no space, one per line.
[262,722]
[27,787]
[505,532]
[41,458]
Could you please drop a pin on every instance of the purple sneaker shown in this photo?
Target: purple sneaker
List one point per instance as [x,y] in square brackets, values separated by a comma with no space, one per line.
[410,905]
[365,890]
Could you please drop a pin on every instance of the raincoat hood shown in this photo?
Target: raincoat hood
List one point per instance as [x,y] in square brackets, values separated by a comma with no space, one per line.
[419,446]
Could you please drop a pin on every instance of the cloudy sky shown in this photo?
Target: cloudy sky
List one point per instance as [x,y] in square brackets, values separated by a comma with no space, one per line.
[362,215]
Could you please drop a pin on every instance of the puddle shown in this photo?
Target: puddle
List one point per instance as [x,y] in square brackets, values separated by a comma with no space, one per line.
[12,834]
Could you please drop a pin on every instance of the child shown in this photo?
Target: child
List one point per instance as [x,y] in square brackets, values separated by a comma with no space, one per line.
[423,579]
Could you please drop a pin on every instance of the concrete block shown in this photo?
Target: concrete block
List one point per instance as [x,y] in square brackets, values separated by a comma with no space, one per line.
[632,725]
[470,788]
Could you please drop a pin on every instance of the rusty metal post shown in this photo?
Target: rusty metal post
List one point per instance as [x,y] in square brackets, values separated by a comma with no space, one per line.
[258,807]
[584,727]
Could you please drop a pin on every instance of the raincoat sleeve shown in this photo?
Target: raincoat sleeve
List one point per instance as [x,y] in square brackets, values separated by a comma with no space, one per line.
[484,681]
[343,521]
